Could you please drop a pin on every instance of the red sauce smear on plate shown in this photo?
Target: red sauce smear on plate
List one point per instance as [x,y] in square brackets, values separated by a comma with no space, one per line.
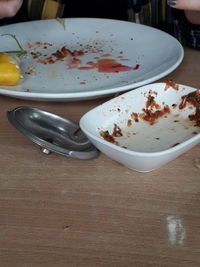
[103,64]
[108,66]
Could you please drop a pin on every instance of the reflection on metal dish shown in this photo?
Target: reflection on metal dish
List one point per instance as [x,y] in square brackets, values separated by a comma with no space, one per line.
[52,132]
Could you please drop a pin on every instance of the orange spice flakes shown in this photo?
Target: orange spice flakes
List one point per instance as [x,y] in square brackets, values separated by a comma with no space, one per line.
[192,98]
[108,137]
[150,92]
[60,55]
[171,84]
[135,116]
[152,110]
[152,116]
[151,103]
[129,123]
[37,44]
[117,132]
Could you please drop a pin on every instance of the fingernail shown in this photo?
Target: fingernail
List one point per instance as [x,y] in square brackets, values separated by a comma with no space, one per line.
[171,2]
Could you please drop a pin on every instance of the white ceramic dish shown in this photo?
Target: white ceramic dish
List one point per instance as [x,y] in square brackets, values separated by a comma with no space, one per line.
[147,54]
[148,147]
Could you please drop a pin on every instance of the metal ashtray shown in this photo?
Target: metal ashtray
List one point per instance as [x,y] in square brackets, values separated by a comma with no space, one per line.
[52,132]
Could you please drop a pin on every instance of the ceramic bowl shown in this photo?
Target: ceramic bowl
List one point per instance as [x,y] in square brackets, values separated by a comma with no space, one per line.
[145,128]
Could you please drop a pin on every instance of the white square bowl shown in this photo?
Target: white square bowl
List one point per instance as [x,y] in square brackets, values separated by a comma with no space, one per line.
[143,147]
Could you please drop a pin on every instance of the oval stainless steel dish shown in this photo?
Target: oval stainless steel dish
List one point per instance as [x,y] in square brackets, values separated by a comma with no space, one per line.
[52,132]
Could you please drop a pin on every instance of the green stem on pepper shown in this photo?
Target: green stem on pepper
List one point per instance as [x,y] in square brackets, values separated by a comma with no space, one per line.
[21,50]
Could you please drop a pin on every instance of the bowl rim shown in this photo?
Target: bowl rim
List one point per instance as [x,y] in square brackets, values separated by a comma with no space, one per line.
[192,140]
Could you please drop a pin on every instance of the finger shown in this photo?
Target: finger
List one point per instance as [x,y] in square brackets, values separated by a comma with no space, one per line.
[9,8]
[185,4]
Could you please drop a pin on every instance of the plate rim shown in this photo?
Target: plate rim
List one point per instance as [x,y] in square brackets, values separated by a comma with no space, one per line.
[91,94]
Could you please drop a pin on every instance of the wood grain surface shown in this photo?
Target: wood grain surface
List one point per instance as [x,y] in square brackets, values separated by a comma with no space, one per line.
[59,211]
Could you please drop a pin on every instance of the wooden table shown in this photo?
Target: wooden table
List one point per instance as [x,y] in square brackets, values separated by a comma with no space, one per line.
[59,211]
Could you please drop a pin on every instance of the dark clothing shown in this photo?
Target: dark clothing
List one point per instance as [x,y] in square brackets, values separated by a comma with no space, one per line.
[154,13]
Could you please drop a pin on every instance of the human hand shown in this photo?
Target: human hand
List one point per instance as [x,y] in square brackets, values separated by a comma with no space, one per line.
[9,8]
[185,4]
[190,7]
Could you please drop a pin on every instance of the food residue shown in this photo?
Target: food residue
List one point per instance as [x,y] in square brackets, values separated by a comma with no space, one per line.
[117,131]
[171,84]
[154,111]
[108,137]
[151,116]
[108,66]
[192,98]
[104,63]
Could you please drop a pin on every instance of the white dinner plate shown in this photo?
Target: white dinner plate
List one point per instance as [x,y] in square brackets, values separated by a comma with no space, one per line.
[99,57]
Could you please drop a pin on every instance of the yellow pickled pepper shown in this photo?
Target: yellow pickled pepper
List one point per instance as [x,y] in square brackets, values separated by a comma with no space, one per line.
[10,73]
